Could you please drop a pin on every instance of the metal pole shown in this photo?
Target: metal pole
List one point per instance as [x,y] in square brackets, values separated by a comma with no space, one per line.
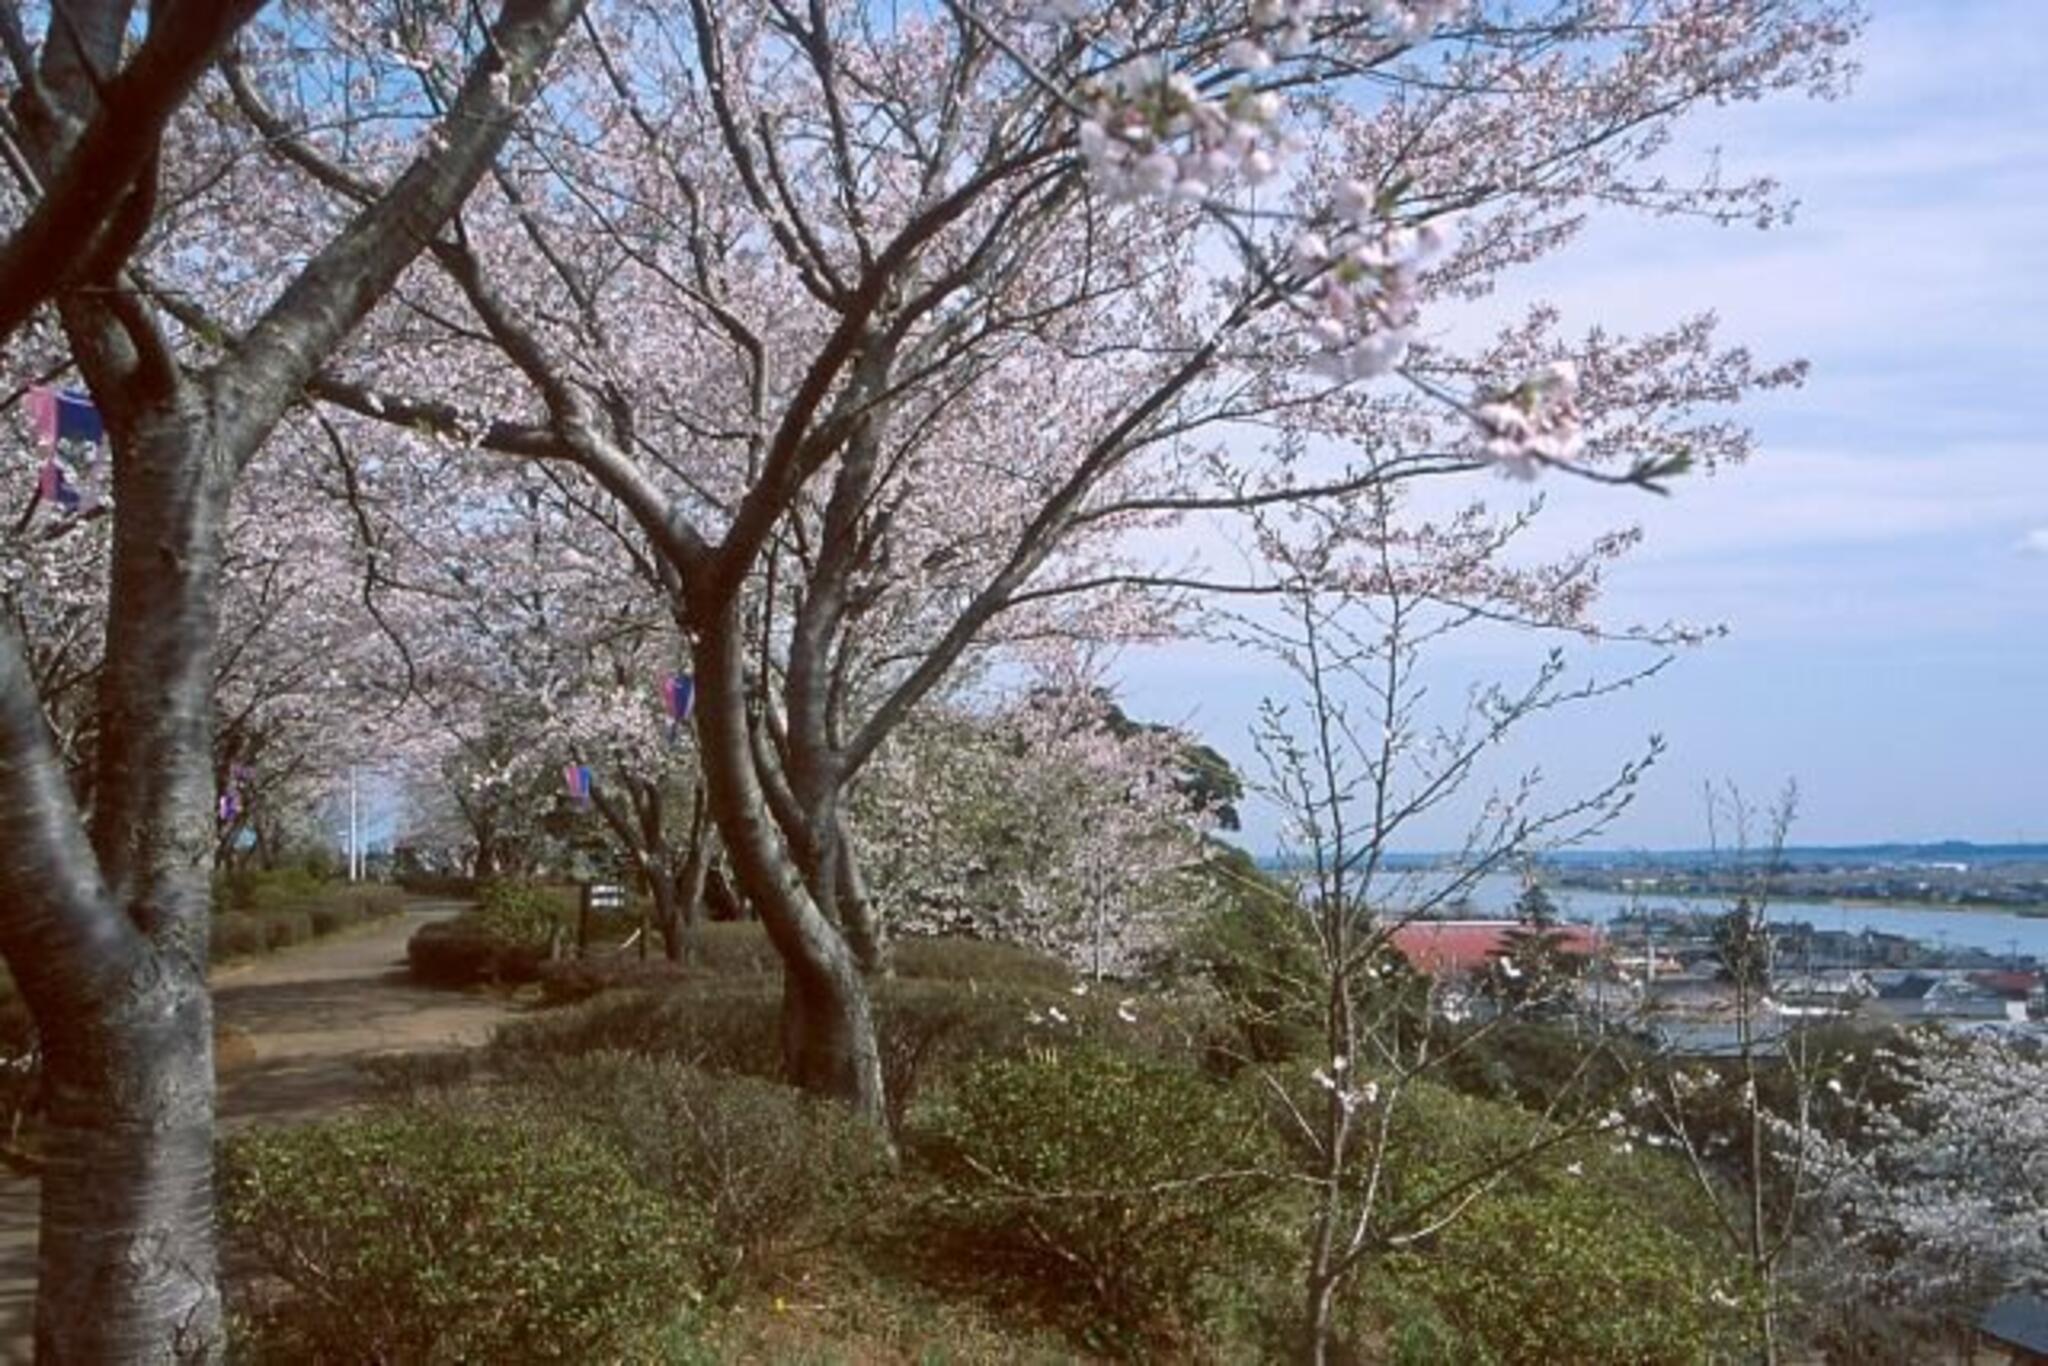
[354,858]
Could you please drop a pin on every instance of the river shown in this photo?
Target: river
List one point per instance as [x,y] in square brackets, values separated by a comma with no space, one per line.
[1999,932]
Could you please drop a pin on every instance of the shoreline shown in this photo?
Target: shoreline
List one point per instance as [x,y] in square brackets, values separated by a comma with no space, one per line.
[2030,911]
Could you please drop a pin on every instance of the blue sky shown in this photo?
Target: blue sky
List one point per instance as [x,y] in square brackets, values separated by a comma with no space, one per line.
[1882,564]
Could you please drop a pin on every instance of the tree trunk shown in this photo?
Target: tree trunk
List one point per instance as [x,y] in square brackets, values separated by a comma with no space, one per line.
[127,1251]
[866,934]
[721,902]
[667,920]
[1322,1303]
[127,1265]
[680,930]
[109,942]
[829,1045]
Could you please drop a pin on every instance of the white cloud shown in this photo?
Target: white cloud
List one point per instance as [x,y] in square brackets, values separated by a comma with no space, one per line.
[2035,542]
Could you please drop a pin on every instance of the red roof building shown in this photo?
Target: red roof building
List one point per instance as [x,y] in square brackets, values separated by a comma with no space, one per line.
[2010,984]
[1453,948]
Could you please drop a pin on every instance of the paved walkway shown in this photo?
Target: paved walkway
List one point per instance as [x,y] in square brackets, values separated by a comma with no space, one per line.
[309,1014]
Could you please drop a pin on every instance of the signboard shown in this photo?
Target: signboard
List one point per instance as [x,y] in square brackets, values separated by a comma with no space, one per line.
[604,896]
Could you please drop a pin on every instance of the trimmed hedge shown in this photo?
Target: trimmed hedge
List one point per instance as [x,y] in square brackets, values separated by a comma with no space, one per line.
[457,953]
[237,934]
[515,927]
[568,981]
[926,1028]
[282,929]
[768,1166]
[719,1029]
[264,912]
[431,1235]
[954,959]
[1117,1183]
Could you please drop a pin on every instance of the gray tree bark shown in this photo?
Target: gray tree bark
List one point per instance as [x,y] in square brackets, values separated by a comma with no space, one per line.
[828,1034]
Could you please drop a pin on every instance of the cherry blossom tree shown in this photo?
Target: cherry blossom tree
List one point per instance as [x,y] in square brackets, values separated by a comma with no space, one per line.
[648,790]
[107,922]
[90,211]
[1042,823]
[896,339]
[1940,1196]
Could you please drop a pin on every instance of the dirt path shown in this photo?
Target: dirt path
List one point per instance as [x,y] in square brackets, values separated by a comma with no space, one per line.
[293,1028]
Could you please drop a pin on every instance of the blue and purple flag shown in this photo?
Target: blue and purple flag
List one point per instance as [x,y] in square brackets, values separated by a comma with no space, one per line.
[678,692]
[55,488]
[65,415]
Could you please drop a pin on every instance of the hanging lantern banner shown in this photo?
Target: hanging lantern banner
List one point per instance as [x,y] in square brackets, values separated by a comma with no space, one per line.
[64,415]
[678,692]
[56,489]
[578,776]
[231,803]
[41,404]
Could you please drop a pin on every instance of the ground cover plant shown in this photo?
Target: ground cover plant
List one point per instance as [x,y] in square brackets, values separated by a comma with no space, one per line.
[257,913]
[1067,1183]
[439,1235]
[515,927]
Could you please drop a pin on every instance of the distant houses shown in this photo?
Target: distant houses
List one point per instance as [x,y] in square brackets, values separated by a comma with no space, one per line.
[1667,972]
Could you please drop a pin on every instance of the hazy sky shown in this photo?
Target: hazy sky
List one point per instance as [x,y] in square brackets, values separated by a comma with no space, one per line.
[1882,564]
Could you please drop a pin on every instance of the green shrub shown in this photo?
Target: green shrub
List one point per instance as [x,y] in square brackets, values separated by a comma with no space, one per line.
[1565,1269]
[344,907]
[457,953]
[231,889]
[1258,954]
[570,980]
[729,955]
[400,1077]
[929,1029]
[376,900]
[282,929]
[434,1236]
[713,1028]
[251,888]
[1119,1183]
[515,927]
[330,917]
[764,1162]
[1578,1250]
[521,912]
[926,1029]
[319,864]
[736,949]
[1541,1064]
[954,959]
[237,934]
[287,892]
